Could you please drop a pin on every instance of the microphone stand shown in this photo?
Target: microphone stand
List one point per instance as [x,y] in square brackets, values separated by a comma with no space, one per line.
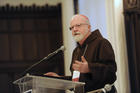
[98,91]
[32,66]
[106,89]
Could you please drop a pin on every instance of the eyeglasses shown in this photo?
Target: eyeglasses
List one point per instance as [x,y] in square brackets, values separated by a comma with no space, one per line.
[77,25]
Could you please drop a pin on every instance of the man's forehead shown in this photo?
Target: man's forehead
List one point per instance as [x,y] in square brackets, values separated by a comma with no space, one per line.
[78,19]
[80,16]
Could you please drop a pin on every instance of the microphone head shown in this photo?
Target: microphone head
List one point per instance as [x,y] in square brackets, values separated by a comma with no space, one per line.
[62,48]
[108,87]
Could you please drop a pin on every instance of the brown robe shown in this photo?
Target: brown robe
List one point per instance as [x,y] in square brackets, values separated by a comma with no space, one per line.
[100,57]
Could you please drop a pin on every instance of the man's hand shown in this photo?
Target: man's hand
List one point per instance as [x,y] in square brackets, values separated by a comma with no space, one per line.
[81,66]
[52,74]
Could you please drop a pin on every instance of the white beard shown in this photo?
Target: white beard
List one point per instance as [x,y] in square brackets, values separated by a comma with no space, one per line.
[78,38]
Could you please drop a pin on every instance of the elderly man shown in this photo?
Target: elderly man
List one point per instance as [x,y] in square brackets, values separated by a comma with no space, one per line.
[93,57]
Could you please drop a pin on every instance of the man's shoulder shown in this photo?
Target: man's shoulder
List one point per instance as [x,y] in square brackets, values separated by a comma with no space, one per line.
[100,41]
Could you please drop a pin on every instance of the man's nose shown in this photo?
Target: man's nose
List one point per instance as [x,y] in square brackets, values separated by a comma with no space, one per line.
[75,28]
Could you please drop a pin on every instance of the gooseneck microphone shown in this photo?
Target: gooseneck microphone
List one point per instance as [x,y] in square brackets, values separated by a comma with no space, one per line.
[45,58]
[54,53]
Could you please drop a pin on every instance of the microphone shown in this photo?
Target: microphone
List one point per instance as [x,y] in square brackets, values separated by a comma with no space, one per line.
[45,58]
[54,53]
[106,89]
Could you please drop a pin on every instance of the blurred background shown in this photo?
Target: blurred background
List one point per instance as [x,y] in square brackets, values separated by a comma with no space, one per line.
[32,29]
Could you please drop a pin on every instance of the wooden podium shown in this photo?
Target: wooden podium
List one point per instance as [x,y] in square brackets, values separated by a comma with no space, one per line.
[38,84]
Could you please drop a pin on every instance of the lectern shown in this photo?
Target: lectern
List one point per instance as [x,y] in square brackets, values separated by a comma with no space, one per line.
[38,84]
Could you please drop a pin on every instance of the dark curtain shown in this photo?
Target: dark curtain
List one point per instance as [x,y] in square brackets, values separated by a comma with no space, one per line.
[27,35]
[76,6]
[132,26]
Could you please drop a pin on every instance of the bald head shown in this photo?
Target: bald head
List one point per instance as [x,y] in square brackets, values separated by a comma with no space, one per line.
[81,17]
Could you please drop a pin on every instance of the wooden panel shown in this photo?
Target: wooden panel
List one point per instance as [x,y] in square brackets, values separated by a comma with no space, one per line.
[16,47]
[6,83]
[43,44]
[52,24]
[27,34]
[130,4]
[41,25]
[12,23]
[28,25]
[4,47]
[30,46]
[3,25]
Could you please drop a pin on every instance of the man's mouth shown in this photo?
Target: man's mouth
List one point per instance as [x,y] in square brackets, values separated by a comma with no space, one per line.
[77,33]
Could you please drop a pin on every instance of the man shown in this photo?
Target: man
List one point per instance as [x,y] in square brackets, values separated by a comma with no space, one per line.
[93,57]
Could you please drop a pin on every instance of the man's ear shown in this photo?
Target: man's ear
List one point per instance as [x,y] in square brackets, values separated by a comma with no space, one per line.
[89,27]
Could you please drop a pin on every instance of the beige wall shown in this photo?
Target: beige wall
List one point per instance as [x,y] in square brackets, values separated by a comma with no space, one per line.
[69,43]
